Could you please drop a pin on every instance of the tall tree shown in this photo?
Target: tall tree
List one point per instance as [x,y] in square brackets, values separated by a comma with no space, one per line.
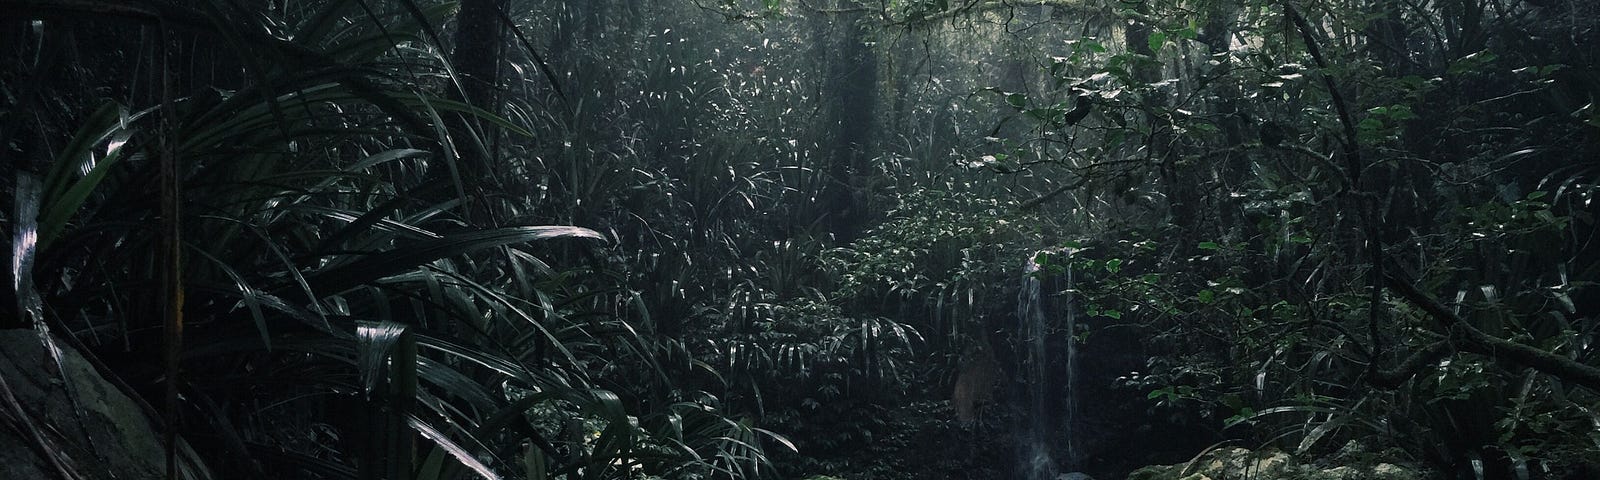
[477,57]
[851,100]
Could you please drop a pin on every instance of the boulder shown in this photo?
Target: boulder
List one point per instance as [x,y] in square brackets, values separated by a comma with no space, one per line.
[1240,463]
[69,413]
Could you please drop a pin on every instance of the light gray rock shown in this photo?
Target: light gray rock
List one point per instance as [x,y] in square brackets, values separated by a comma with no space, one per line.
[103,435]
[1233,462]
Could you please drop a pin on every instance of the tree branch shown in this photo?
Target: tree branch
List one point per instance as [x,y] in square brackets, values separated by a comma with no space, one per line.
[981,6]
[1427,355]
[1366,205]
[1471,339]
[1037,201]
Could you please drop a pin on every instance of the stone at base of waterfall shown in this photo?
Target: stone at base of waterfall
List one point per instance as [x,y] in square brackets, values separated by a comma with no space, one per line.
[1074,476]
[1232,463]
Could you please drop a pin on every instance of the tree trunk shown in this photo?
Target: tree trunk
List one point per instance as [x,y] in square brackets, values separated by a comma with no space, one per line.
[479,39]
[852,84]
[476,57]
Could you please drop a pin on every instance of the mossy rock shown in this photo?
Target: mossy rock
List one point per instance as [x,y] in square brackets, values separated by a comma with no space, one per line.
[1233,462]
[88,425]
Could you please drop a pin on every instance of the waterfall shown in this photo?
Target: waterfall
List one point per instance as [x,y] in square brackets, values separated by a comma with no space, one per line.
[1032,329]
[1047,425]
[1069,410]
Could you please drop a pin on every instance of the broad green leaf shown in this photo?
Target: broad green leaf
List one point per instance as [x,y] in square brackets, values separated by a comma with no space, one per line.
[1156,41]
[407,257]
[1017,100]
[461,454]
[63,196]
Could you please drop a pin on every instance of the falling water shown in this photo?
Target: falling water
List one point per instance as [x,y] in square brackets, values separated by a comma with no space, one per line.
[1043,431]
[1037,463]
[1069,410]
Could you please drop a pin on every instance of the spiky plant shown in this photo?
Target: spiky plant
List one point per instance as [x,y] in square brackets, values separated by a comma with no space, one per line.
[344,295]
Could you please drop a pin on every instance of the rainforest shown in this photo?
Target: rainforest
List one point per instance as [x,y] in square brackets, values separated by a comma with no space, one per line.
[800,239]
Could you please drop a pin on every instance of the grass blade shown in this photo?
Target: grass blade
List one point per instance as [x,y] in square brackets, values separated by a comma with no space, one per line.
[401,260]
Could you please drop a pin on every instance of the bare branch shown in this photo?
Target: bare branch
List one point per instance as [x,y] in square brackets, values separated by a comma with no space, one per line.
[1470,339]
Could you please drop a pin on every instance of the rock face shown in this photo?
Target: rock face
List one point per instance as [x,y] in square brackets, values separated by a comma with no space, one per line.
[1239,463]
[95,432]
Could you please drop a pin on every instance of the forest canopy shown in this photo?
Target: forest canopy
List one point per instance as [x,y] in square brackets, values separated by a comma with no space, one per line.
[896,239]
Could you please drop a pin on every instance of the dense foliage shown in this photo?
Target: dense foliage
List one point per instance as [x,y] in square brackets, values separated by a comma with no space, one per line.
[740,239]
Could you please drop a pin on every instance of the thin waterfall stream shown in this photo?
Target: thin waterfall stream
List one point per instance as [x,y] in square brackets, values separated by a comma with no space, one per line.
[1050,412]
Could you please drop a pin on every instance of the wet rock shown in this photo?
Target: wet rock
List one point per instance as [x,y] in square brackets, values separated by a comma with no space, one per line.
[95,432]
[1236,463]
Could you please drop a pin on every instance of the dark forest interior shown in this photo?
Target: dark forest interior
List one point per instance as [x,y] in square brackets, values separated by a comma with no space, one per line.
[800,239]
